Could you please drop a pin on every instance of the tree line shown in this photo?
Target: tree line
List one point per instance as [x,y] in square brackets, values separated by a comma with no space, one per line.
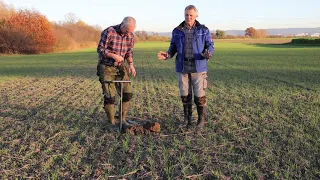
[30,32]
[249,32]
[26,31]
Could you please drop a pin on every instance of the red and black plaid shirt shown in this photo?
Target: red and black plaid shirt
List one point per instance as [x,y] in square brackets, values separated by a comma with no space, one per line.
[113,41]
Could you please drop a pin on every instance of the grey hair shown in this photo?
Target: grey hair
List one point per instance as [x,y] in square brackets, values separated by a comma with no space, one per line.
[192,7]
[128,21]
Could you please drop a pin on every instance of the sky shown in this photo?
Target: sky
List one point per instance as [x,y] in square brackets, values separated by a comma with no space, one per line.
[164,15]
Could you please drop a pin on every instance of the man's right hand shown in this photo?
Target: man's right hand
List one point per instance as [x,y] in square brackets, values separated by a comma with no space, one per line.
[117,58]
[163,55]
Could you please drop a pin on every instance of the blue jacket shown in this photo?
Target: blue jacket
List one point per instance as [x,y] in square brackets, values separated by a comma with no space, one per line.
[201,40]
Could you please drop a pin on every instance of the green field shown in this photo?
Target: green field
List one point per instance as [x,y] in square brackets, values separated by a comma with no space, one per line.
[263,117]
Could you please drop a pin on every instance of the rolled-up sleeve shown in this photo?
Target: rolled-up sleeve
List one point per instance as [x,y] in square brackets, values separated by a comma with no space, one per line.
[102,49]
[129,53]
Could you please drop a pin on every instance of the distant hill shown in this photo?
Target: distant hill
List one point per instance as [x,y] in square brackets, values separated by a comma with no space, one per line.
[293,31]
[282,31]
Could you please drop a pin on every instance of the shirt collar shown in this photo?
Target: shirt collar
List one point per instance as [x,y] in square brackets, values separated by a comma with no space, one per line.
[186,26]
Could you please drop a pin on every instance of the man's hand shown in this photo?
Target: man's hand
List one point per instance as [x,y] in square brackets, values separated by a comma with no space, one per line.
[206,54]
[132,70]
[117,58]
[163,55]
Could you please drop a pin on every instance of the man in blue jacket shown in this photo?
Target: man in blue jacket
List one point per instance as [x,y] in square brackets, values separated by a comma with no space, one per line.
[192,43]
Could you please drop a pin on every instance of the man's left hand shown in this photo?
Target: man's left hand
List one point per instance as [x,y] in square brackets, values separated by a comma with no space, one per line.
[132,70]
[206,54]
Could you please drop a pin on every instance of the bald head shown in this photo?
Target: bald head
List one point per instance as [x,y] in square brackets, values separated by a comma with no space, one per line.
[129,21]
[128,25]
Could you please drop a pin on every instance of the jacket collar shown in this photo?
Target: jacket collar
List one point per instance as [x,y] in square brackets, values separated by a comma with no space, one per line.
[182,25]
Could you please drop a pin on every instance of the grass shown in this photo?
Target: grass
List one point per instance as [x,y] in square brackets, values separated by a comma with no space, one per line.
[263,117]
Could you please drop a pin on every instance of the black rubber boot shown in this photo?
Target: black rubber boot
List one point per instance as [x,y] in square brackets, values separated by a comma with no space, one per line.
[202,112]
[187,115]
[190,113]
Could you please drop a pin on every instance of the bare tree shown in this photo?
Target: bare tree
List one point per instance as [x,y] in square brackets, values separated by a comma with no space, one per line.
[71,18]
[5,11]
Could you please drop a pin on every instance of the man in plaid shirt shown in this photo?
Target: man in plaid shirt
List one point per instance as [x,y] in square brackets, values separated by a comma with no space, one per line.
[116,47]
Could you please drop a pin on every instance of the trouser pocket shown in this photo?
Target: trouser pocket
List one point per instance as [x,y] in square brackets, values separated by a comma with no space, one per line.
[205,81]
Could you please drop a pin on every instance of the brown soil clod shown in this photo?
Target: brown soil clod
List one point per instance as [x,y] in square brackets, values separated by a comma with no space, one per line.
[146,128]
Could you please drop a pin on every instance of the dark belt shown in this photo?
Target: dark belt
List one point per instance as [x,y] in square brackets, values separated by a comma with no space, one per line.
[188,59]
